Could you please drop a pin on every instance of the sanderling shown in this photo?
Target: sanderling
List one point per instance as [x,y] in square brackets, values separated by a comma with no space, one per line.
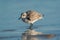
[30,17]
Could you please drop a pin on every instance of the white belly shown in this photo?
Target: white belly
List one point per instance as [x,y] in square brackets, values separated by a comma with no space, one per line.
[28,21]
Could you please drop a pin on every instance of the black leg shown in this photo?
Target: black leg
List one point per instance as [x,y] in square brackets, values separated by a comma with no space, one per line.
[31,26]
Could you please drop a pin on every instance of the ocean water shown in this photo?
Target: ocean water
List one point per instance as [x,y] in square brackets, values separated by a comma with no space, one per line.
[11,28]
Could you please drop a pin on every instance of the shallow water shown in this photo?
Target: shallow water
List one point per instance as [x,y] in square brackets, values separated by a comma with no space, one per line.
[11,28]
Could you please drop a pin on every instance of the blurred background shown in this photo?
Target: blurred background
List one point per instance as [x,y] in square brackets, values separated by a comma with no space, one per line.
[11,28]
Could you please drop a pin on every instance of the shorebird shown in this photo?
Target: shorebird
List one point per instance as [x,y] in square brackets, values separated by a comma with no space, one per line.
[30,17]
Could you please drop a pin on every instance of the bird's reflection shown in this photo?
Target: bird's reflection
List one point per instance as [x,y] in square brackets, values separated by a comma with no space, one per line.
[37,37]
[34,35]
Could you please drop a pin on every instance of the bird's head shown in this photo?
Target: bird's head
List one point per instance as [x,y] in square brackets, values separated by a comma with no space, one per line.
[23,15]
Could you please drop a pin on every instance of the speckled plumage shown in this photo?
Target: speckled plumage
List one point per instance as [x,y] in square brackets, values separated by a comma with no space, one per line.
[31,16]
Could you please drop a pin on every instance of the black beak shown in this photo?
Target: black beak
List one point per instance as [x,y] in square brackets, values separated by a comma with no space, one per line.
[19,18]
